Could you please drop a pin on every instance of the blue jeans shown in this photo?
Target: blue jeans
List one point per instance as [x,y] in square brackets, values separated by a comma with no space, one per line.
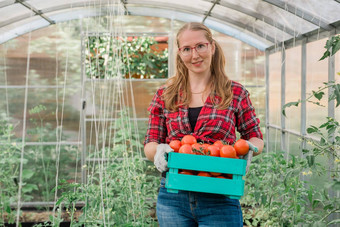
[184,209]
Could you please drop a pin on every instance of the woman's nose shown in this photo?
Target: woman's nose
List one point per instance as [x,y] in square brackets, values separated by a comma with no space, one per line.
[194,53]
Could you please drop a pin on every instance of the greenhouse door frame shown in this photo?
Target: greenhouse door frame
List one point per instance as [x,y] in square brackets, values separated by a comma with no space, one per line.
[84,80]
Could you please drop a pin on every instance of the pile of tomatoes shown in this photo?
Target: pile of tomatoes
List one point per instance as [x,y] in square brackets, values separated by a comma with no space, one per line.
[189,145]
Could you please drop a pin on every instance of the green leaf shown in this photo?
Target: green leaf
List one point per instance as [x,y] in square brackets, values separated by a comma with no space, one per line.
[337,139]
[312,129]
[289,105]
[336,46]
[324,125]
[328,207]
[29,188]
[27,173]
[298,208]
[325,55]
[323,142]
[310,194]
[257,196]
[336,93]
[8,209]
[331,130]
[310,160]
[318,95]
[305,151]
[329,42]
[315,203]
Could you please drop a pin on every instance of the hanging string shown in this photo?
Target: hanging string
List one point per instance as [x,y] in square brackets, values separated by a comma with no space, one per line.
[24,126]
[59,127]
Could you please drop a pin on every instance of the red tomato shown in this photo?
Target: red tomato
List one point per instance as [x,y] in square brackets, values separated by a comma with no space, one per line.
[219,144]
[228,151]
[242,147]
[186,149]
[213,150]
[199,149]
[188,139]
[187,172]
[175,145]
[206,145]
[204,174]
[215,174]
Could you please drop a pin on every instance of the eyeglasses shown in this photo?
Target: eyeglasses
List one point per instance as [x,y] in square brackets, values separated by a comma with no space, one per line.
[200,48]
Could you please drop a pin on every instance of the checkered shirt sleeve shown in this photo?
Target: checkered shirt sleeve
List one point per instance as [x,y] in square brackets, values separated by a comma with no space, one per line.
[157,131]
[247,122]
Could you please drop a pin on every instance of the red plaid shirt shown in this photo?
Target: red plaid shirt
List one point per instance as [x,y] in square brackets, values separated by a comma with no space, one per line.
[212,124]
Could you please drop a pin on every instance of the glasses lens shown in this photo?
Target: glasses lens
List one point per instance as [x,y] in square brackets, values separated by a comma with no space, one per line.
[186,51]
[202,47]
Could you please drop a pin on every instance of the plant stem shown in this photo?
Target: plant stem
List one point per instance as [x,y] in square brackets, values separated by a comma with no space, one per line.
[329,213]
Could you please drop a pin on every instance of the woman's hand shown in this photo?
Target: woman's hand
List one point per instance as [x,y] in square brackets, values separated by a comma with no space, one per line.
[255,148]
[161,157]
[157,153]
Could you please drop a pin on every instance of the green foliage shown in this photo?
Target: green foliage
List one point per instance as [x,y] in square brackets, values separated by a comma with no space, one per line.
[332,46]
[334,94]
[121,185]
[42,159]
[276,196]
[139,57]
[39,164]
[9,170]
[301,202]
[121,189]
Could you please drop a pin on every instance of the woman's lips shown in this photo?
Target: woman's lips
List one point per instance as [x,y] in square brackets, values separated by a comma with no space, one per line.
[197,63]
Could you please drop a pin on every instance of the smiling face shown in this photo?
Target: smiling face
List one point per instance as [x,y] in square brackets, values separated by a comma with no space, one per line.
[198,63]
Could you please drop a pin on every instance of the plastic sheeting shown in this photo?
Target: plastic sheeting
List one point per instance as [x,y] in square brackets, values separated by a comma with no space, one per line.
[260,23]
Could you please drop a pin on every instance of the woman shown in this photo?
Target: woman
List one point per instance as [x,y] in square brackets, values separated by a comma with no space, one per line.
[199,100]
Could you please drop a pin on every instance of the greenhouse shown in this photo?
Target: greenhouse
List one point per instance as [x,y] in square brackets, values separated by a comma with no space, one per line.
[77,78]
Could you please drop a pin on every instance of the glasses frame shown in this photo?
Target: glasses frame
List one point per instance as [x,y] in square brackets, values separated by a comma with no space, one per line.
[191,48]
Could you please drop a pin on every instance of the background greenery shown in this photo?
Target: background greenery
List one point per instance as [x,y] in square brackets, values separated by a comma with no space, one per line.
[300,190]
[132,57]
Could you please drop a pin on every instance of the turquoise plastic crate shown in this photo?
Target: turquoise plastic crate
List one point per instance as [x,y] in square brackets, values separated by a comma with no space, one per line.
[233,188]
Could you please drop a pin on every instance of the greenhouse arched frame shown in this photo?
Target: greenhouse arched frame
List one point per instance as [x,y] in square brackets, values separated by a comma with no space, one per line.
[284,40]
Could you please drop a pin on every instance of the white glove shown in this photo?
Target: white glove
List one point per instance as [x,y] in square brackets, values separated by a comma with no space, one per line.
[249,155]
[161,157]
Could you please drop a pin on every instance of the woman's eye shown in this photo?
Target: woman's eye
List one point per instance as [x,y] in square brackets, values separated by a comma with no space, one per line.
[186,49]
[200,46]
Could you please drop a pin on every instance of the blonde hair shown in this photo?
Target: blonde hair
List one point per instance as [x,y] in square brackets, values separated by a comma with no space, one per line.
[178,90]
